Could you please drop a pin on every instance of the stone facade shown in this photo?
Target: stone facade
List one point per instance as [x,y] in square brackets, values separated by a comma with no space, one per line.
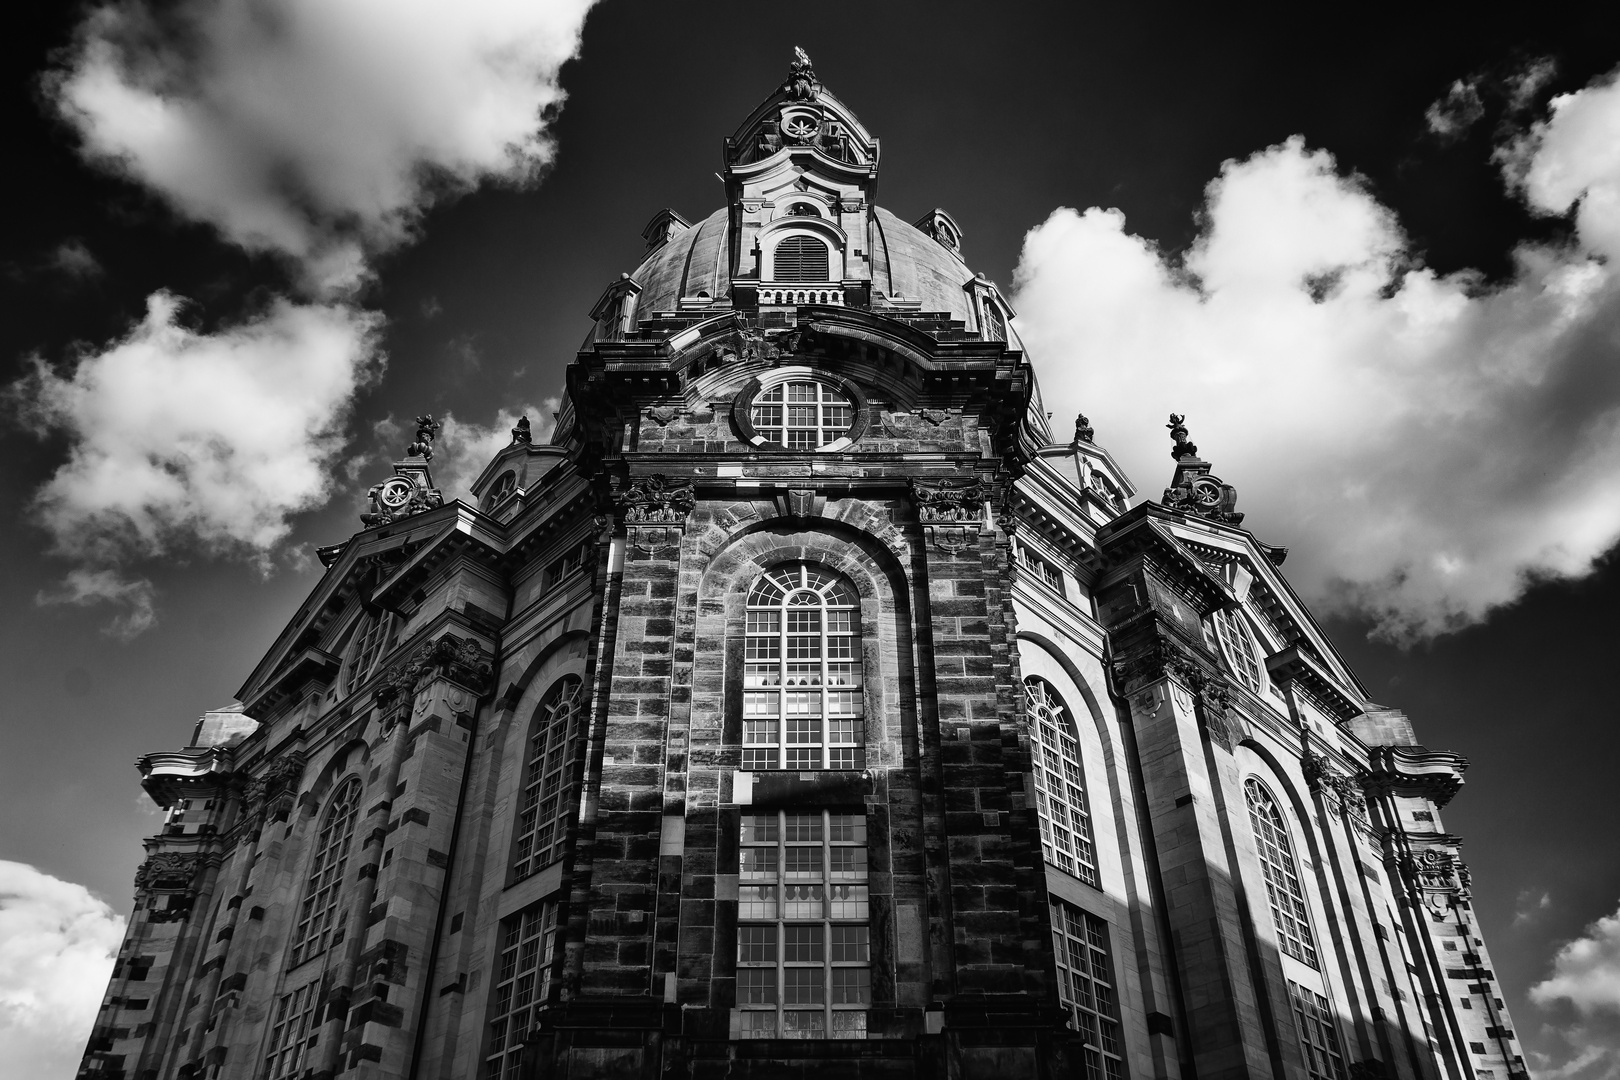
[803,708]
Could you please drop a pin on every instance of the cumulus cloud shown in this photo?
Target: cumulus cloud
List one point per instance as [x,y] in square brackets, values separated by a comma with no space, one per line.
[464,447]
[57,945]
[181,440]
[317,130]
[1584,990]
[1424,442]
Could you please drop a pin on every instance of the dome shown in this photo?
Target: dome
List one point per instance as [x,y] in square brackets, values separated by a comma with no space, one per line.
[908,266]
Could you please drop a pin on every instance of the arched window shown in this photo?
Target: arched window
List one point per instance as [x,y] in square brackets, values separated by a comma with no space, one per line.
[374,638]
[1060,783]
[995,323]
[802,706]
[503,486]
[802,414]
[542,824]
[1287,899]
[1238,648]
[319,917]
[801,258]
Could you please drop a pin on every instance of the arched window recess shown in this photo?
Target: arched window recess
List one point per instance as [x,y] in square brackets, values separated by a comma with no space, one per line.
[803,705]
[1060,783]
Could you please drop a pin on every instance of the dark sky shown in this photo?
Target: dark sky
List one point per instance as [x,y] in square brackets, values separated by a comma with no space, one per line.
[999,113]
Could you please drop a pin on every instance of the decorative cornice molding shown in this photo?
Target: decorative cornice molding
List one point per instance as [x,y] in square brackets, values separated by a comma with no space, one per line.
[1415,771]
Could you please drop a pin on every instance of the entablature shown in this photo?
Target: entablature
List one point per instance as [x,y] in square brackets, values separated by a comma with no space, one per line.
[1299,666]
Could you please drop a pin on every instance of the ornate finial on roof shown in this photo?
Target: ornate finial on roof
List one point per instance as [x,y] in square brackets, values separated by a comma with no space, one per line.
[410,490]
[1184,447]
[1083,431]
[801,84]
[520,433]
[427,429]
[1194,489]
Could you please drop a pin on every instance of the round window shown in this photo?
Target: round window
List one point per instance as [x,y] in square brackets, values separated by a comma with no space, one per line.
[801,415]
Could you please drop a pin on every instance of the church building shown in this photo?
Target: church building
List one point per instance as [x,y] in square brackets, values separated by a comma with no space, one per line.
[804,707]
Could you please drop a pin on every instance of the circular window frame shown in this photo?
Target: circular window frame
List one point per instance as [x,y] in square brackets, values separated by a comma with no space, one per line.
[743,407]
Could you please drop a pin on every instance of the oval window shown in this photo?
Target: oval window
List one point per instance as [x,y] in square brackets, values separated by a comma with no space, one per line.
[801,414]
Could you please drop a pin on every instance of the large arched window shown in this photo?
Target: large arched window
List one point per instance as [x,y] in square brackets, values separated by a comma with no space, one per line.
[320,917]
[801,258]
[802,706]
[1060,783]
[1283,891]
[542,826]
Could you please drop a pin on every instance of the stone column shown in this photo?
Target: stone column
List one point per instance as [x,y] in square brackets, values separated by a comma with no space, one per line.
[1184,740]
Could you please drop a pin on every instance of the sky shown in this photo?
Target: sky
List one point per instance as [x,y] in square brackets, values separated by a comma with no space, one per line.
[1375,266]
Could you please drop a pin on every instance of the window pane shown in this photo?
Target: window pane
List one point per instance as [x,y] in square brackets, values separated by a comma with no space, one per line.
[1062,806]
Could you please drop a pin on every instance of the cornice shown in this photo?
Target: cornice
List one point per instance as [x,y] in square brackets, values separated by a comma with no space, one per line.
[1141,532]
[308,664]
[1415,771]
[1295,665]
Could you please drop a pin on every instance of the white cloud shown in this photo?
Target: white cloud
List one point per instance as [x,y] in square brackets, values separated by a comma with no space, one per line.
[57,945]
[1585,989]
[84,587]
[1455,113]
[1573,159]
[181,440]
[1422,442]
[1530,906]
[318,130]
[1586,971]
[464,448]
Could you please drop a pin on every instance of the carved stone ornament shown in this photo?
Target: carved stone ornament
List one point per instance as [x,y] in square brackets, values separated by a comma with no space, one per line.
[801,84]
[521,435]
[1340,793]
[269,796]
[1083,431]
[1436,878]
[1194,489]
[662,415]
[934,416]
[949,502]
[653,500]
[1211,694]
[169,871]
[461,660]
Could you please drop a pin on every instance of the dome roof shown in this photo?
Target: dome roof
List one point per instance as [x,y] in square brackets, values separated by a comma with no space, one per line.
[908,266]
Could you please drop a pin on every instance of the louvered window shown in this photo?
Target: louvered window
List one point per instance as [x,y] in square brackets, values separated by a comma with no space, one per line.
[800,258]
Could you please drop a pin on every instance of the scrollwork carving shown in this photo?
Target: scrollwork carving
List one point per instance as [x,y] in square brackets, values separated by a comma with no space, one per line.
[653,500]
[949,502]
